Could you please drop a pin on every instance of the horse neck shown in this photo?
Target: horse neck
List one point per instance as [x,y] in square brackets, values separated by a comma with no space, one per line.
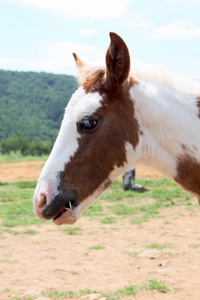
[167,119]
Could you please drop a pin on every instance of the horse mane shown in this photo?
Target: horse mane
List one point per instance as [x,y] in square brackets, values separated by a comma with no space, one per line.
[157,74]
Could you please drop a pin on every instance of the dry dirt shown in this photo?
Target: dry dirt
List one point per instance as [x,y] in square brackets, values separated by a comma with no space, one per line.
[53,259]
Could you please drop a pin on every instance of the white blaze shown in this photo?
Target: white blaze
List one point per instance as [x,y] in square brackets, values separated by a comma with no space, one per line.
[66,144]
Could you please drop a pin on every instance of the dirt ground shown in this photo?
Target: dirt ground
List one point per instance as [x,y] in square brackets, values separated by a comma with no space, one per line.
[52,259]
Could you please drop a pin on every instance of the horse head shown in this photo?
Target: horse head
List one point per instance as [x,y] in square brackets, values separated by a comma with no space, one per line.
[98,132]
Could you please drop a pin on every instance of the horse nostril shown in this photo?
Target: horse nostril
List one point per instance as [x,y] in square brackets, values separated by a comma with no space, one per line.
[42,201]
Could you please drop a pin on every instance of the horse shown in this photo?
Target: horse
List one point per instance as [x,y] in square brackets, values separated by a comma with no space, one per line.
[116,119]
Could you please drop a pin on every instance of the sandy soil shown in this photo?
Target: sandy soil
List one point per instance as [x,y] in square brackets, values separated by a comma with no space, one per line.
[53,259]
[25,171]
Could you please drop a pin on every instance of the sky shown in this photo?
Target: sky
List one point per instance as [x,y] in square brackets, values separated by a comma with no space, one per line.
[40,35]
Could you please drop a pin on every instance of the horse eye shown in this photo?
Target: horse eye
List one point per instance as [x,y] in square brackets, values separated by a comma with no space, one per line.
[87,124]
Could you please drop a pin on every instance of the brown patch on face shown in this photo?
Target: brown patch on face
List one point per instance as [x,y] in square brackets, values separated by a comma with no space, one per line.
[198,105]
[101,151]
[188,173]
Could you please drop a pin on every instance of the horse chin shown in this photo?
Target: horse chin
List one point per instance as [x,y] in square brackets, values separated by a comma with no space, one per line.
[67,217]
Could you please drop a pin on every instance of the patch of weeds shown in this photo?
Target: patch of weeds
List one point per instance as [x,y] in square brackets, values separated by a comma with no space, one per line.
[1,272]
[5,290]
[97,247]
[116,193]
[170,253]
[110,296]
[55,294]
[29,231]
[134,253]
[4,183]
[86,292]
[10,261]
[26,184]
[158,246]
[160,286]
[194,245]
[123,209]
[108,220]
[129,290]
[16,207]
[72,230]
[94,210]
[139,220]
[8,230]
[14,232]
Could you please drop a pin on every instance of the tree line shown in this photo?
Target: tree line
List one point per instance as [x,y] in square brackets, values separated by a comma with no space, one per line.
[23,146]
[32,105]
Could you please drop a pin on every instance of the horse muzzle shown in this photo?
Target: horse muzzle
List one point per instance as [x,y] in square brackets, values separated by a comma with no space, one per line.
[62,208]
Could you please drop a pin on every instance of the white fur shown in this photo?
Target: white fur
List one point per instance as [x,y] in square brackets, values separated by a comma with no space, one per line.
[168,120]
[160,75]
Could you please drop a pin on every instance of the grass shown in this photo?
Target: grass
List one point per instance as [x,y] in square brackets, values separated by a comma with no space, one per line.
[158,246]
[160,286]
[97,247]
[141,207]
[108,220]
[71,230]
[16,209]
[94,210]
[134,253]
[128,290]
[16,206]
[15,157]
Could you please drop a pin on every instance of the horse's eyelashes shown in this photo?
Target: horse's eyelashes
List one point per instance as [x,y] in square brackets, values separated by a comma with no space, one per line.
[87,124]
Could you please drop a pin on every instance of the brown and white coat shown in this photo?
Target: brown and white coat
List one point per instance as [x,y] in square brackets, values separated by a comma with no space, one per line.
[113,121]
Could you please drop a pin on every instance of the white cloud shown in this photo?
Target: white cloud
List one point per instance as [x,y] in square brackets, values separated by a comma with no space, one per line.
[88,31]
[63,50]
[177,30]
[56,58]
[80,8]
[185,2]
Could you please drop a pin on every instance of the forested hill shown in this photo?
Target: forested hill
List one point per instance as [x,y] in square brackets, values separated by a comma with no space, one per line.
[32,104]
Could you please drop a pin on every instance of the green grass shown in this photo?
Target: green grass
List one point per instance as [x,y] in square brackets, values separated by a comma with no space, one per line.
[157,285]
[71,230]
[16,206]
[126,291]
[108,220]
[134,253]
[158,246]
[94,210]
[129,290]
[141,207]
[16,157]
[97,247]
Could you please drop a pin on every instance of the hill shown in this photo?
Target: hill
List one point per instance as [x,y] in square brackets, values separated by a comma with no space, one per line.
[32,104]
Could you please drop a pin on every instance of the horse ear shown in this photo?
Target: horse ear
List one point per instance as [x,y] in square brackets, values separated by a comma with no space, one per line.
[78,61]
[117,60]
[82,68]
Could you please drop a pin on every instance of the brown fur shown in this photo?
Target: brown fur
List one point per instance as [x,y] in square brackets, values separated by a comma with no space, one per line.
[102,150]
[198,105]
[188,173]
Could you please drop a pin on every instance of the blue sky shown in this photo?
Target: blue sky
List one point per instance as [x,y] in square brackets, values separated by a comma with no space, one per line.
[40,35]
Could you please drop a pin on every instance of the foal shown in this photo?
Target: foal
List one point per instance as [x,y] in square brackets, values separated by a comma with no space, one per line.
[114,121]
